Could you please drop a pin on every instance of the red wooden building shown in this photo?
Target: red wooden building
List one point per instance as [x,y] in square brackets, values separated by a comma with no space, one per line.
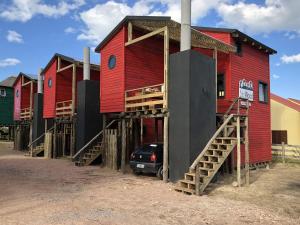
[24,88]
[61,75]
[126,67]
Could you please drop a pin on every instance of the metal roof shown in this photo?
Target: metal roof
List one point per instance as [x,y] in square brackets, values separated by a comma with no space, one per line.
[8,82]
[68,59]
[151,23]
[235,33]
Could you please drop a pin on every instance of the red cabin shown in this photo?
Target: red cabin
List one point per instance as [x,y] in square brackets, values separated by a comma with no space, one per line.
[60,84]
[24,88]
[127,67]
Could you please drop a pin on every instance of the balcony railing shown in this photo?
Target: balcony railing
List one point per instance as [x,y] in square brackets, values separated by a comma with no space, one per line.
[64,109]
[145,98]
[26,114]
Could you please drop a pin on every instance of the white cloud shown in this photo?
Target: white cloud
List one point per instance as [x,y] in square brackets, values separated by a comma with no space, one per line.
[277,64]
[291,58]
[70,30]
[24,10]
[9,62]
[264,18]
[13,36]
[275,76]
[273,15]
[102,18]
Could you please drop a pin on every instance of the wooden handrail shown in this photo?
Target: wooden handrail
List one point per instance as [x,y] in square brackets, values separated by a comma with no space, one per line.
[40,136]
[136,89]
[93,139]
[193,166]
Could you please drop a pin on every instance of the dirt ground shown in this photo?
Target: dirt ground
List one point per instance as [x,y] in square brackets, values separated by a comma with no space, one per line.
[41,191]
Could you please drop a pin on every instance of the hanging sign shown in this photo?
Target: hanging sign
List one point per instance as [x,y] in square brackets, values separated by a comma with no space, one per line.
[246,89]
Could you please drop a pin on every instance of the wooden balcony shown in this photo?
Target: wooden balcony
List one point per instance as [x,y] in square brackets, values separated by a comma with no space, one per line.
[64,109]
[145,98]
[26,114]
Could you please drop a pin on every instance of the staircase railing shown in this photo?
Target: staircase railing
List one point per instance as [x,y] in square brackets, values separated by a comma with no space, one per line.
[221,128]
[30,144]
[82,150]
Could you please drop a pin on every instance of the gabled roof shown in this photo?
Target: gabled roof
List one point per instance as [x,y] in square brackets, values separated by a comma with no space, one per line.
[152,23]
[68,59]
[8,82]
[235,33]
[294,100]
[285,102]
[28,76]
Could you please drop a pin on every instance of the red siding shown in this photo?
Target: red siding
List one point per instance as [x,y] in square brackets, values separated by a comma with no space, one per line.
[17,100]
[144,65]
[254,66]
[222,36]
[61,89]
[112,82]
[50,93]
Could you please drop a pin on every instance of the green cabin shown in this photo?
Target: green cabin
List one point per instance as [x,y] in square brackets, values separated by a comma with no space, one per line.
[7,102]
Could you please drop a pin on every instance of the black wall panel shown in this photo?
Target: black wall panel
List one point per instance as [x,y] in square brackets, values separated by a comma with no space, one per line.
[192,105]
[89,120]
[38,123]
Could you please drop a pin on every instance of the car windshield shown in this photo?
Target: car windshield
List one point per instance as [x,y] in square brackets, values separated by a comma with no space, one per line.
[150,147]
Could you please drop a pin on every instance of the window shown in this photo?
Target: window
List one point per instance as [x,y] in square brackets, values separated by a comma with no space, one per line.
[262,92]
[50,82]
[17,93]
[221,86]
[2,92]
[279,136]
[239,49]
[112,62]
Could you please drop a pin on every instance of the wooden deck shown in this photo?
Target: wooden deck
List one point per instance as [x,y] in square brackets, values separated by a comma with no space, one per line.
[145,98]
[64,109]
[26,114]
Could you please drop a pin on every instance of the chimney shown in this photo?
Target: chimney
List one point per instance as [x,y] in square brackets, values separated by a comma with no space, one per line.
[185,43]
[40,81]
[86,63]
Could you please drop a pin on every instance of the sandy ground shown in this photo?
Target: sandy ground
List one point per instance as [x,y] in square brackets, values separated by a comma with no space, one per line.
[41,191]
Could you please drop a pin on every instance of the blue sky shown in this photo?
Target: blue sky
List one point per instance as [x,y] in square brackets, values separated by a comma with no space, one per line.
[31,31]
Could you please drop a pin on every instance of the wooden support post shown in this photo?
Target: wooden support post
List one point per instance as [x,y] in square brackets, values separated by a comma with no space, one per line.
[283,152]
[58,63]
[166,66]
[142,131]
[73,137]
[129,31]
[215,56]
[166,149]
[64,140]
[30,139]
[238,152]
[123,158]
[197,180]
[54,154]
[104,123]
[31,99]
[73,88]
[247,152]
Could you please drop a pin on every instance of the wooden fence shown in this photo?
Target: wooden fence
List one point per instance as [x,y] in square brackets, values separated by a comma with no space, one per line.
[111,148]
[286,152]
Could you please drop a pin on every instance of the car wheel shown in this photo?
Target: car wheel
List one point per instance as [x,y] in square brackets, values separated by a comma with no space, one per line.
[159,173]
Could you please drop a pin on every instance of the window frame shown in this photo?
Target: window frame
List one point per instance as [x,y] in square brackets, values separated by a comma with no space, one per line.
[4,92]
[224,80]
[266,92]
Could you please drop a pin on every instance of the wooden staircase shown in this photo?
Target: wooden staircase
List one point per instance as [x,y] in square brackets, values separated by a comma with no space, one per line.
[37,150]
[221,145]
[92,150]
[90,155]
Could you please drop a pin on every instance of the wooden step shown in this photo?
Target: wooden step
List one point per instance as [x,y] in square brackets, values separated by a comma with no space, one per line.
[185,190]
